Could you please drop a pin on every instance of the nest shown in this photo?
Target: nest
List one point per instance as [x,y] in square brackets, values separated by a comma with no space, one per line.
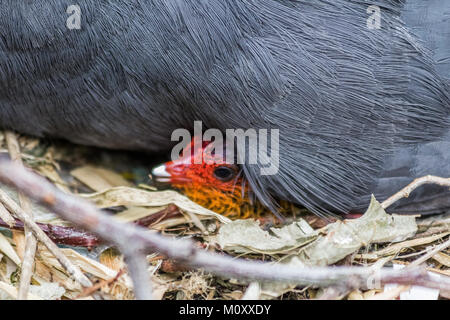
[118,183]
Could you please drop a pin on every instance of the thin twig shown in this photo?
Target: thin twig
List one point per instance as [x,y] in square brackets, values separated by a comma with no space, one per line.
[89,291]
[88,217]
[406,191]
[30,241]
[430,254]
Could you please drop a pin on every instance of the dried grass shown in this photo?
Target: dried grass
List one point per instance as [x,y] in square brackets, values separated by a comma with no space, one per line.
[121,186]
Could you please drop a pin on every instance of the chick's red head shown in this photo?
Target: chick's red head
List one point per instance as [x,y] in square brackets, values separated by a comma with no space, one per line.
[204,175]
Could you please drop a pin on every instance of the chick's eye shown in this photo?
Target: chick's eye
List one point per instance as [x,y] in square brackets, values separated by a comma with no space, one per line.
[224,173]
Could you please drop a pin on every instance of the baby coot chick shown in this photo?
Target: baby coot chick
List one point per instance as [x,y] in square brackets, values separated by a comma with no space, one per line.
[359,109]
[215,183]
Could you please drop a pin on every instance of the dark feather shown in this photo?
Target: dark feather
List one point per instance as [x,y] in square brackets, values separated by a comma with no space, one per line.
[351,103]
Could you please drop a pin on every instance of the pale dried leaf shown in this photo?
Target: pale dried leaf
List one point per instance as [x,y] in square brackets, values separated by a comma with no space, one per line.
[136,213]
[12,291]
[99,179]
[86,264]
[275,289]
[50,173]
[8,250]
[253,292]
[48,290]
[355,295]
[173,222]
[346,237]
[246,236]
[125,196]
[40,213]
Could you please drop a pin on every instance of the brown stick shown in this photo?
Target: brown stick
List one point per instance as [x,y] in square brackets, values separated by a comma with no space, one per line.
[89,291]
[59,234]
[170,212]
[71,236]
[130,239]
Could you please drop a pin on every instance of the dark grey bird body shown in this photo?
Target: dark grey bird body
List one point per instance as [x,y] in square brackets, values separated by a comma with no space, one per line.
[359,110]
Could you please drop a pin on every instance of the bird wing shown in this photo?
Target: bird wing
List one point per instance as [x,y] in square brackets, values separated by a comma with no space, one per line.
[429,21]
[406,164]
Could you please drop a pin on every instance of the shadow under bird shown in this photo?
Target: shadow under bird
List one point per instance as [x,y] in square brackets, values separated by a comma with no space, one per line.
[360,110]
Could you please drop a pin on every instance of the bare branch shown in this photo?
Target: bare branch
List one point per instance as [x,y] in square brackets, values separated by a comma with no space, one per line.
[90,291]
[406,191]
[88,217]
[138,270]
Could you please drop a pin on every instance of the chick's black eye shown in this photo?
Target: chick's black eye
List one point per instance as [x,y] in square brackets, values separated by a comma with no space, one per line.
[224,173]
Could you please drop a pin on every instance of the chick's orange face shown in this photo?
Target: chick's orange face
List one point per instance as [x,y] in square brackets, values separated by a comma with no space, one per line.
[204,175]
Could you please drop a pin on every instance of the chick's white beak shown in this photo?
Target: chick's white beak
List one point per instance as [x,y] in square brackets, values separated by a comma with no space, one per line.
[160,174]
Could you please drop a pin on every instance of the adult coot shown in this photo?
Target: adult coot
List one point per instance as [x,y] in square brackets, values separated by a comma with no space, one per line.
[361,101]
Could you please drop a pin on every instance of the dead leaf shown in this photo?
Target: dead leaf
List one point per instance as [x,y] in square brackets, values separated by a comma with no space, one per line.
[125,196]
[246,236]
[99,179]
[346,237]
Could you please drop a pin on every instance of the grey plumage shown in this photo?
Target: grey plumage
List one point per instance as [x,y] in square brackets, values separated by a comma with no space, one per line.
[359,111]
